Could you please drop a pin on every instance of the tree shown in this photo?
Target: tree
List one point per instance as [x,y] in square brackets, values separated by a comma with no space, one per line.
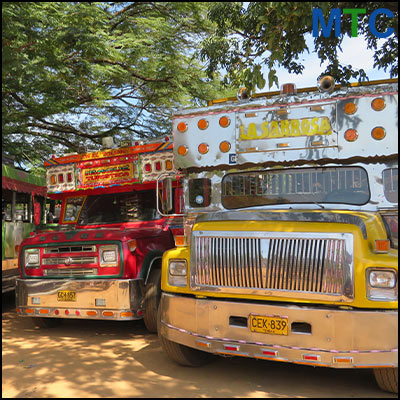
[271,34]
[74,72]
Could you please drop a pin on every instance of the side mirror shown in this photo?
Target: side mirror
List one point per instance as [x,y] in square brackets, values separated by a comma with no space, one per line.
[166,195]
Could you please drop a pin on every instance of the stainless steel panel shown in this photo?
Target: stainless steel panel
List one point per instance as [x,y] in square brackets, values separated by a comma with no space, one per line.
[368,337]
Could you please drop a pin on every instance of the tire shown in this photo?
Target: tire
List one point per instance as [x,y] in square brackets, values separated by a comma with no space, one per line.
[152,298]
[46,323]
[183,355]
[387,379]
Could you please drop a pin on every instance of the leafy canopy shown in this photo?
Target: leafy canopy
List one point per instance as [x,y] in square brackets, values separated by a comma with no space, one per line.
[273,34]
[74,72]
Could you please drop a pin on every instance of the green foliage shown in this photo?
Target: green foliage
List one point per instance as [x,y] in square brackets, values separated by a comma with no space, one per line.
[74,72]
[273,34]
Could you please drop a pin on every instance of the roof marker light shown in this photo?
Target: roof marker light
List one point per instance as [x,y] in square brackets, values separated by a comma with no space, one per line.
[182,150]
[378,133]
[202,124]
[351,135]
[350,108]
[203,148]
[378,104]
[224,122]
[224,146]
[182,127]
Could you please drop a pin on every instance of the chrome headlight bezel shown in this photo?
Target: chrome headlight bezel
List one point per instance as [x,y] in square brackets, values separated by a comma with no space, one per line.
[177,272]
[381,284]
[108,255]
[32,258]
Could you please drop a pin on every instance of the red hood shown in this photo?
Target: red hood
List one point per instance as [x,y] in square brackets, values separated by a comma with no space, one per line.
[113,232]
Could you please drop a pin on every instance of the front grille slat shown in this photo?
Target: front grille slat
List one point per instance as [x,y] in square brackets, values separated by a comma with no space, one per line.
[312,264]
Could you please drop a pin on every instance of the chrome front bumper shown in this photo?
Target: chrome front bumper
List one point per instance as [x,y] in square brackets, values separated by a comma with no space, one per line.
[115,299]
[333,338]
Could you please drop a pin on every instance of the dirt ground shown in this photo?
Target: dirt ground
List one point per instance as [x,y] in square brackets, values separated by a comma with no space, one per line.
[92,359]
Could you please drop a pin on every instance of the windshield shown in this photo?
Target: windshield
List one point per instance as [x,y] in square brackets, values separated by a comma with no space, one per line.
[119,207]
[347,185]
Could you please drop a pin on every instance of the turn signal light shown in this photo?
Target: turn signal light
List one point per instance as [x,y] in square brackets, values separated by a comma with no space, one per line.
[203,148]
[382,246]
[202,124]
[350,108]
[378,104]
[179,240]
[351,135]
[182,127]
[378,133]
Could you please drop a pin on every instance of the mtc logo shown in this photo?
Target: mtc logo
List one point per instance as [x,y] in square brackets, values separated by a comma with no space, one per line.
[335,18]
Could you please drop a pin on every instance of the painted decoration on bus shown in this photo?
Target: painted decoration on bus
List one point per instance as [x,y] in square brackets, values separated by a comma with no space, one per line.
[107,175]
[286,128]
[60,178]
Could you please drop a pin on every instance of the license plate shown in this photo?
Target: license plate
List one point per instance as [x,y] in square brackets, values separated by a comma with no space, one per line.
[66,295]
[270,325]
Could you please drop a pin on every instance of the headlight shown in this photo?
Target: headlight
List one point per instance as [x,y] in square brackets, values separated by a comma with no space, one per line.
[32,258]
[108,256]
[381,284]
[177,273]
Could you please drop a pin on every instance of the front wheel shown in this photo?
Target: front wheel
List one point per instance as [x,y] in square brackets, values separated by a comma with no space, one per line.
[181,354]
[387,379]
[152,300]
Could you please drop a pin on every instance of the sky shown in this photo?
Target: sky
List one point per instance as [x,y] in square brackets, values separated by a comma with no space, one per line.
[355,53]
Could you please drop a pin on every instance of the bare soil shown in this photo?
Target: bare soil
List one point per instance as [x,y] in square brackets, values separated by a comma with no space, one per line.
[89,359]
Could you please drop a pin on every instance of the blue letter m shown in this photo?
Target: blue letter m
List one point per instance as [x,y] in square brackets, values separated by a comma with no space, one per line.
[326,29]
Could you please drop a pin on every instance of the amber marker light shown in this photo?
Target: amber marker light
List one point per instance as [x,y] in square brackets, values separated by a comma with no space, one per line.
[224,122]
[378,133]
[126,314]
[351,135]
[179,240]
[350,108]
[203,148]
[168,165]
[202,124]
[182,150]
[378,104]
[382,246]
[224,146]
[182,127]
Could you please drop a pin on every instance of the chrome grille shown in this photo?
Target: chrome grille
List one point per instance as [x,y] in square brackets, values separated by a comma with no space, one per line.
[69,260]
[69,272]
[269,261]
[70,249]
